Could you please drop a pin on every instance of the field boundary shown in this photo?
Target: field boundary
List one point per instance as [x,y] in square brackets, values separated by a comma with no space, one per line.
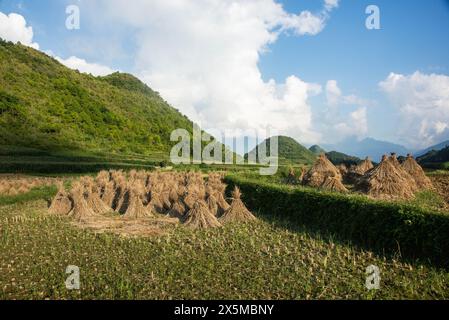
[392,228]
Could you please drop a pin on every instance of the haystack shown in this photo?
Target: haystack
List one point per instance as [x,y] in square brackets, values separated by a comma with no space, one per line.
[223,205]
[364,166]
[343,169]
[386,182]
[199,217]
[165,198]
[412,184]
[135,208]
[394,160]
[417,173]
[156,204]
[321,170]
[121,199]
[94,201]
[333,184]
[212,204]
[81,209]
[61,204]
[237,210]
[108,194]
[178,210]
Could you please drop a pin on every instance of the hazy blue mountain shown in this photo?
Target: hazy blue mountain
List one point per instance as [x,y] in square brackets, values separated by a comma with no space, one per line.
[367,147]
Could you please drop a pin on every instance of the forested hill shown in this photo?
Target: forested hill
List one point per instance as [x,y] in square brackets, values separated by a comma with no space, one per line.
[48,106]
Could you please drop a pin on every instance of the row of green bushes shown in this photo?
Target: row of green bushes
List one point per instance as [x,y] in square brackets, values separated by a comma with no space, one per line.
[383,227]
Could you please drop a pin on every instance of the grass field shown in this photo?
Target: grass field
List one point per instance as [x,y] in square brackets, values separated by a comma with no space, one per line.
[267,259]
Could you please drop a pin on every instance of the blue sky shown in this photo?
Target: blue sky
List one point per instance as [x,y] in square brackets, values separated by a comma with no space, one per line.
[413,38]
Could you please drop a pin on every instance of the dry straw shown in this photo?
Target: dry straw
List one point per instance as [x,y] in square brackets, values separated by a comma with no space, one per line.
[81,210]
[237,212]
[417,173]
[320,171]
[62,203]
[333,184]
[199,217]
[386,182]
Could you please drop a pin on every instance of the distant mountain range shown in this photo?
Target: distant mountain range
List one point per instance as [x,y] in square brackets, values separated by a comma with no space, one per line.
[435,159]
[368,147]
[436,147]
[349,152]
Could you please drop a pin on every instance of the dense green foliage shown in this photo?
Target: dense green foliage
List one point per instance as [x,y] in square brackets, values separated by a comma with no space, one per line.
[289,151]
[410,231]
[267,259]
[47,106]
[339,158]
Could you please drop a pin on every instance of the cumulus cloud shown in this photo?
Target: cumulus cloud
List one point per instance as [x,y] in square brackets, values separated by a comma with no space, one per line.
[346,115]
[333,92]
[422,101]
[82,65]
[356,125]
[202,56]
[13,27]
[331,4]
[335,97]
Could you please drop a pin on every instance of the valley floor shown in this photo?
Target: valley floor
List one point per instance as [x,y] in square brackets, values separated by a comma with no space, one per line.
[261,260]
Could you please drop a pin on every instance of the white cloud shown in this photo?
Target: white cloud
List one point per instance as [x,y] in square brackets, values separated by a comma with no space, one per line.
[202,56]
[422,101]
[13,27]
[331,4]
[82,65]
[335,97]
[333,93]
[339,123]
[356,125]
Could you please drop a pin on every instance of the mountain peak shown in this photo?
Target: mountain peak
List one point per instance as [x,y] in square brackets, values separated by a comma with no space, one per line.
[317,150]
[289,151]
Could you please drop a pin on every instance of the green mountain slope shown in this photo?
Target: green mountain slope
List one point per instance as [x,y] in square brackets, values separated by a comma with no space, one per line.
[46,106]
[317,150]
[338,158]
[435,159]
[290,151]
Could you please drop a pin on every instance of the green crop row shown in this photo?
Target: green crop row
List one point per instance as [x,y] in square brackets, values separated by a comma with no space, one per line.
[384,227]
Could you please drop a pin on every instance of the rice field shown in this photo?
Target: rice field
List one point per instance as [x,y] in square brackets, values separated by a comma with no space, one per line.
[262,259]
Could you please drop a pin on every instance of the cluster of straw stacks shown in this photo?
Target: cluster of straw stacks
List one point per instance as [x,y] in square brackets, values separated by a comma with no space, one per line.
[187,196]
[12,186]
[324,175]
[392,180]
[388,180]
